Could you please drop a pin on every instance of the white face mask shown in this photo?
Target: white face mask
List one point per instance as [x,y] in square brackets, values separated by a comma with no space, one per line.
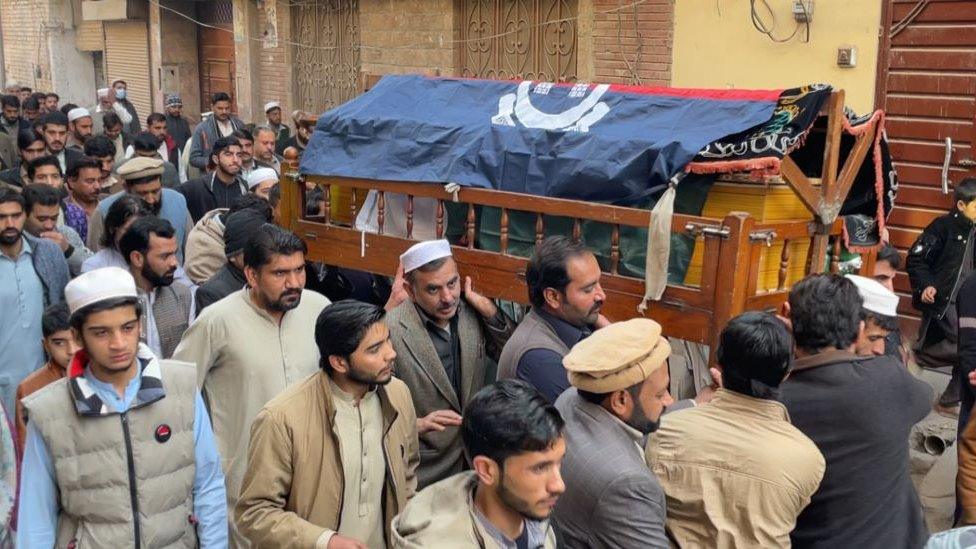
[120,93]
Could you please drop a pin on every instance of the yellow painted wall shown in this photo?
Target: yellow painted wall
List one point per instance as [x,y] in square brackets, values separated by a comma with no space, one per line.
[716,46]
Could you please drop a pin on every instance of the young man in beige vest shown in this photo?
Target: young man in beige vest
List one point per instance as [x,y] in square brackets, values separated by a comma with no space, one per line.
[445,345]
[149,247]
[332,458]
[120,452]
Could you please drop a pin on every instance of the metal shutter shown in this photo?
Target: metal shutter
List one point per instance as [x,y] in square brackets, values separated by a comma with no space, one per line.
[127,58]
[89,36]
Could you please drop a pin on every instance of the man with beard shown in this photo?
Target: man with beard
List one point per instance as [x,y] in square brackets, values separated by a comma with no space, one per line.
[33,273]
[79,128]
[564,288]
[119,453]
[51,101]
[31,147]
[514,439]
[219,188]
[332,458]
[31,109]
[272,110]
[264,149]
[221,123]
[859,411]
[148,145]
[620,389]
[11,123]
[444,347]
[735,471]
[252,344]
[43,207]
[54,130]
[244,137]
[102,149]
[84,188]
[141,178]
[166,148]
[177,126]
[149,248]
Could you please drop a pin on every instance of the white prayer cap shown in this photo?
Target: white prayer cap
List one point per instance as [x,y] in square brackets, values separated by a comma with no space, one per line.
[423,253]
[102,92]
[77,112]
[259,176]
[877,299]
[98,285]
[271,105]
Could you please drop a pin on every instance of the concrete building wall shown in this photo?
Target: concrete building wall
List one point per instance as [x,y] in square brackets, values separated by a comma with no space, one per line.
[179,39]
[72,71]
[27,59]
[719,48]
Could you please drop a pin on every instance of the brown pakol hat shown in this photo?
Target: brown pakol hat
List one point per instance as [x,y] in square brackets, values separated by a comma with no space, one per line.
[618,356]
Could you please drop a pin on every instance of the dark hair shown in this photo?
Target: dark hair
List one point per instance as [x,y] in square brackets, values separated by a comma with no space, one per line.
[145,142]
[10,101]
[251,201]
[155,117]
[27,137]
[222,143]
[598,398]
[340,328]
[110,120]
[81,163]
[264,128]
[885,322]
[268,241]
[32,104]
[46,160]
[99,146]
[755,351]
[27,89]
[243,134]
[66,108]
[965,190]
[39,95]
[54,95]
[55,319]
[825,311]
[9,195]
[81,315]
[890,254]
[547,267]
[219,96]
[123,209]
[508,418]
[136,239]
[274,196]
[40,194]
[54,119]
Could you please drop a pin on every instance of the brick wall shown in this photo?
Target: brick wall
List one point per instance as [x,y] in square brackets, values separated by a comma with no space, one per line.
[403,36]
[629,53]
[25,42]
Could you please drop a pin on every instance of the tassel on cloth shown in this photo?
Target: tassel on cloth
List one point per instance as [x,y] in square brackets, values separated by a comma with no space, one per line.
[659,245]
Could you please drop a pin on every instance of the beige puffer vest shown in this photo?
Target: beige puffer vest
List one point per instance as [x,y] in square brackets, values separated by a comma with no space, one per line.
[92,465]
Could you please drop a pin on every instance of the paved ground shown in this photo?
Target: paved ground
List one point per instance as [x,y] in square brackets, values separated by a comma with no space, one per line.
[934,473]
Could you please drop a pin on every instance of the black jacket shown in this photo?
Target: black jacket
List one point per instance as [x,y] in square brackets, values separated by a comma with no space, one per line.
[935,260]
[226,281]
[204,194]
[859,412]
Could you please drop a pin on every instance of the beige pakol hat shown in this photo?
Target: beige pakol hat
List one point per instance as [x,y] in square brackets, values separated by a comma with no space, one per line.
[617,356]
[139,167]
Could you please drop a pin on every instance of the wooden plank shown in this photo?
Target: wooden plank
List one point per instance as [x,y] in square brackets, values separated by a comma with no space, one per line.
[927,175]
[949,34]
[929,128]
[935,12]
[730,286]
[935,106]
[810,196]
[913,217]
[852,164]
[903,81]
[929,197]
[831,158]
[928,152]
[902,237]
[950,59]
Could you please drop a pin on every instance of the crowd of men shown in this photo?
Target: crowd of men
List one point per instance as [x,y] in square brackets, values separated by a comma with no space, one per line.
[179,373]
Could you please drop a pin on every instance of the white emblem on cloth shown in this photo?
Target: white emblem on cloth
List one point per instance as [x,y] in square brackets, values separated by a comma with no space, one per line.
[589,111]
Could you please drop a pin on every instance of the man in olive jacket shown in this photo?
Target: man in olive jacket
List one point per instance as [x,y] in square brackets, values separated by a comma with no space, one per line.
[332,458]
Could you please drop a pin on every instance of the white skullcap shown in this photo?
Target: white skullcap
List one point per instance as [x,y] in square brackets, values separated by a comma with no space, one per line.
[98,285]
[877,299]
[271,105]
[77,112]
[102,92]
[259,176]
[423,253]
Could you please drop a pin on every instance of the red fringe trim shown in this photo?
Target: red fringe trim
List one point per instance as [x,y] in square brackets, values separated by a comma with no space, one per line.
[767,165]
[858,249]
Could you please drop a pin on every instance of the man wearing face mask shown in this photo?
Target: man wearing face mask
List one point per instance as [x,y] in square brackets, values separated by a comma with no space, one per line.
[149,248]
[620,389]
[121,97]
[252,344]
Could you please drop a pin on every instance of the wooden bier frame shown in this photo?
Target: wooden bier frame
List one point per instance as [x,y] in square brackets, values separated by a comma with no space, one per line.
[732,245]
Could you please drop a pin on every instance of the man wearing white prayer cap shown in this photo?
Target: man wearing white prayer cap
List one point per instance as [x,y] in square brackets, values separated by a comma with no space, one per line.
[80,128]
[879,313]
[120,410]
[261,180]
[443,344]
[272,110]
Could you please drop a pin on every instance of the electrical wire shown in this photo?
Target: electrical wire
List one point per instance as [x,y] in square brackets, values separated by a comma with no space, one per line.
[762,27]
[908,19]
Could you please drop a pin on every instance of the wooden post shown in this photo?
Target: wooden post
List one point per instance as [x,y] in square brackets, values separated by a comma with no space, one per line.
[731,281]
[290,206]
